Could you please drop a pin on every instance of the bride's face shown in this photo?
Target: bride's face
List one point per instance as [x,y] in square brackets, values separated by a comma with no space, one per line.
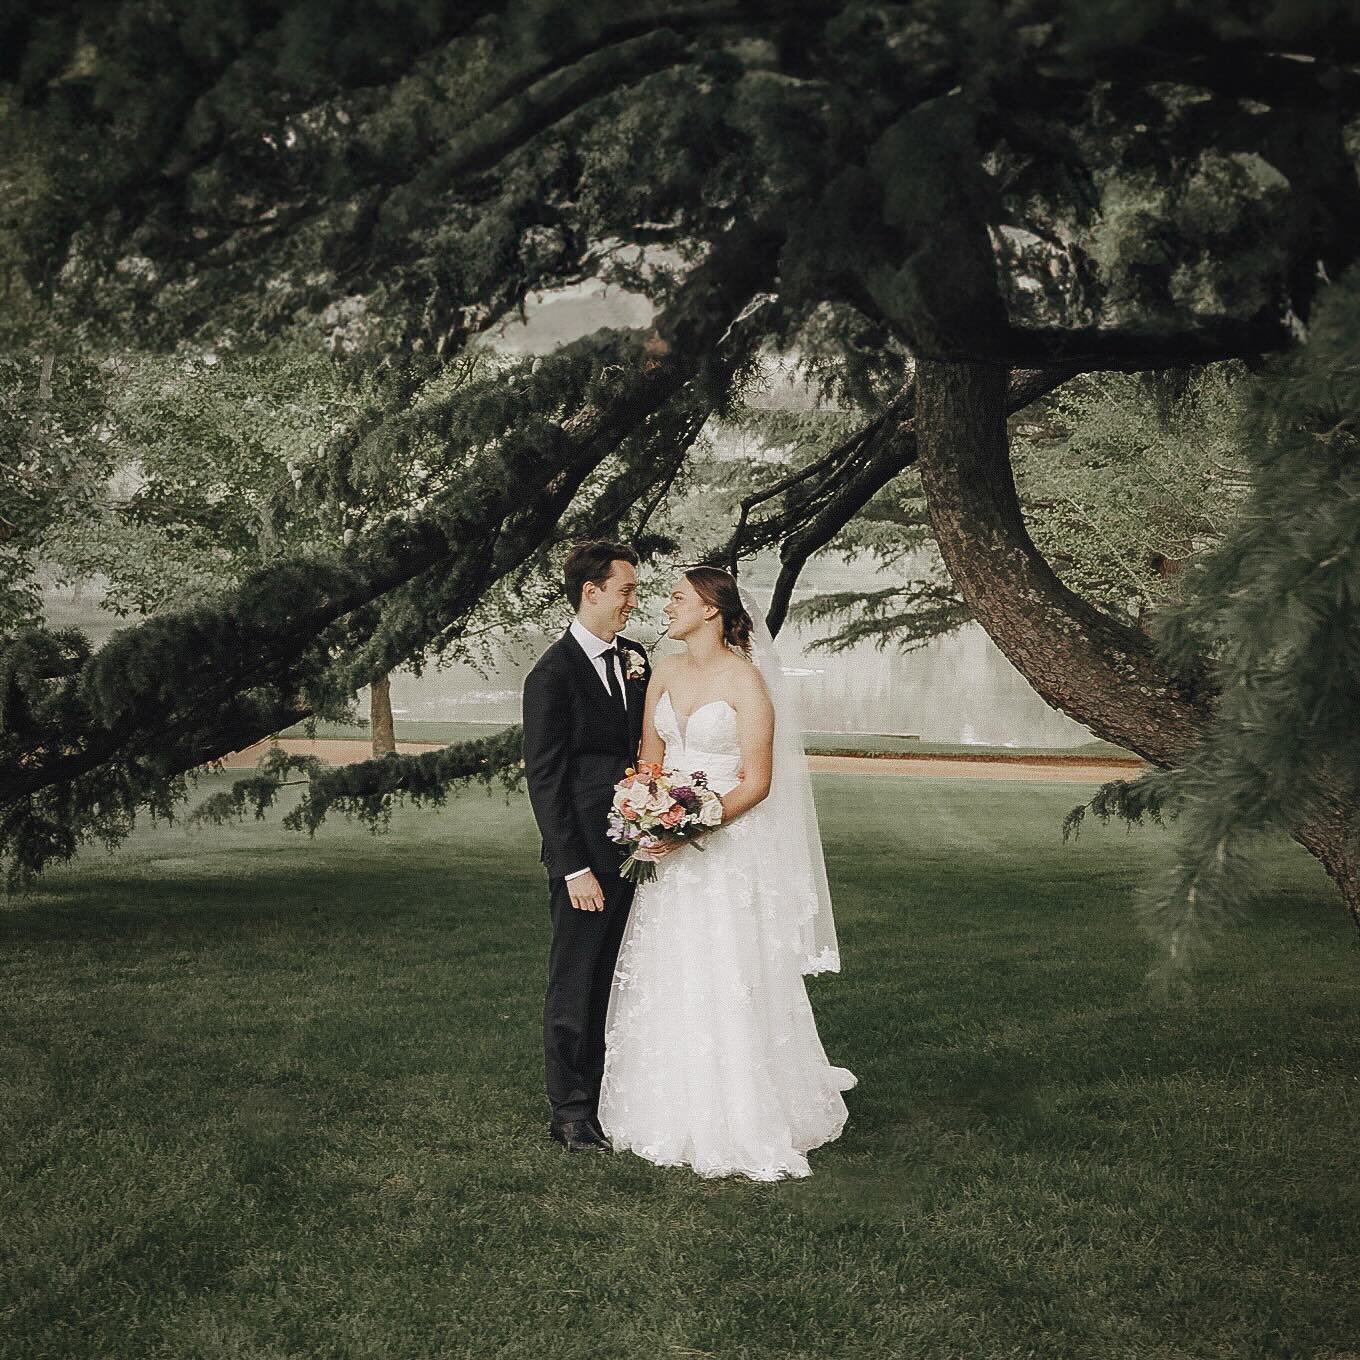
[685,611]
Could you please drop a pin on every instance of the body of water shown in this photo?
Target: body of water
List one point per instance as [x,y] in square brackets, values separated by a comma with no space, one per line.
[956,689]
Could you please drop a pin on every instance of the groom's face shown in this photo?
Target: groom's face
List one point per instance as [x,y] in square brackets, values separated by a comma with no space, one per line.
[610,604]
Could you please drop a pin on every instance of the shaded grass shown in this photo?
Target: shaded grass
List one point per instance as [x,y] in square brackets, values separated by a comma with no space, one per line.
[266,1097]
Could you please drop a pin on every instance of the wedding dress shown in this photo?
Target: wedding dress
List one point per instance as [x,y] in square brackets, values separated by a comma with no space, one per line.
[712,1057]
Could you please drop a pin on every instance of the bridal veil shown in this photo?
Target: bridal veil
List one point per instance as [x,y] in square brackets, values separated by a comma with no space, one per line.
[794,859]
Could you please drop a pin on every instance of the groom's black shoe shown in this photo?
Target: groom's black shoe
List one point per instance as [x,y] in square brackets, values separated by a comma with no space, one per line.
[599,1132]
[579,1135]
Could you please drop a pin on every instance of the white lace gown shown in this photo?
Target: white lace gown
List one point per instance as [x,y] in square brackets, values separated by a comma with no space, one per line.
[712,1057]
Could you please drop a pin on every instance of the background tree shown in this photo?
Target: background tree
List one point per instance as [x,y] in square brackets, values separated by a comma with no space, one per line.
[1010,195]
[54,461]
[219,468]
[1122,480]
[1126,480]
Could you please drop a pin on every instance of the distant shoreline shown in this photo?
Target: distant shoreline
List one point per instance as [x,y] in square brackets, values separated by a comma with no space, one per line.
[946,765]
[861,745]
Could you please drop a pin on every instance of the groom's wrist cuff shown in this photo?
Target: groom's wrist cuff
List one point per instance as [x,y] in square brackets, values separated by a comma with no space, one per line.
[576,873]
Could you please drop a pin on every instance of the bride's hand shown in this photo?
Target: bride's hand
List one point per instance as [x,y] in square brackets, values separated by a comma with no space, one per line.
[663,848]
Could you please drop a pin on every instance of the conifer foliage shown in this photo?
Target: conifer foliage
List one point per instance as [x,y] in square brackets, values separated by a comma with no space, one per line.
[1277,610]
[956,206]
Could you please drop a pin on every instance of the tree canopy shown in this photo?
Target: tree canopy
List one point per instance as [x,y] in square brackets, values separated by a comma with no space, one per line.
[945,210]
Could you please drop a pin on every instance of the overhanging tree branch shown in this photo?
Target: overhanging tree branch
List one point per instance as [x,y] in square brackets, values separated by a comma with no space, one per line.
[179,683]
[1079,658]
[854,472]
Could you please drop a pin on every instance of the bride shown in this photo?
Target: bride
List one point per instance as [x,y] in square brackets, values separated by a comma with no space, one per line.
[712,1058]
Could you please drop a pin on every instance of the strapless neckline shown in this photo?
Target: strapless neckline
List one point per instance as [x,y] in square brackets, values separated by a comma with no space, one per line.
[682,724]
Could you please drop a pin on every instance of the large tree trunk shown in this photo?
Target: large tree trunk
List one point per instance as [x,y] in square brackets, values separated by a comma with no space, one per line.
[1332,833]
[1089,665]
[380,724]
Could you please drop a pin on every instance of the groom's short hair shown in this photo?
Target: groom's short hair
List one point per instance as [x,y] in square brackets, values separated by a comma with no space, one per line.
[592,562]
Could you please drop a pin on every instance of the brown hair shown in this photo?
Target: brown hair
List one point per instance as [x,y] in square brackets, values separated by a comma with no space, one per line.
[719,589]
[592,562]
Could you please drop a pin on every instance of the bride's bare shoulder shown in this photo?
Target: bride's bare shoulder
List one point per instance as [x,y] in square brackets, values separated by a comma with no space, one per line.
[662,666]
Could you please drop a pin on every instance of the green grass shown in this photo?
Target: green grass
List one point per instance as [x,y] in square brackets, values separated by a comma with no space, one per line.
[442,732]
[268,1097]
[820,742]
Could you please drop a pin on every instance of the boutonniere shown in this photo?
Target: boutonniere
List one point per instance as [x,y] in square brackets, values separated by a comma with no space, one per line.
[634,665]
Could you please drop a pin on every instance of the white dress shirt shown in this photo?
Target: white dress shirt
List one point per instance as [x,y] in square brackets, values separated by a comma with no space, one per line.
[594,648]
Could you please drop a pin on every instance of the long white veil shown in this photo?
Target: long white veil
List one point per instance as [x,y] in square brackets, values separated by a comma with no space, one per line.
[796,847]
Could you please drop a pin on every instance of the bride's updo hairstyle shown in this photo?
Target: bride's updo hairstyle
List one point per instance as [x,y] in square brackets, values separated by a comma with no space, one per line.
[718,588]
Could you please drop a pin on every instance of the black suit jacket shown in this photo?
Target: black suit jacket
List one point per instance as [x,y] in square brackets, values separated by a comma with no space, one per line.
[577,744]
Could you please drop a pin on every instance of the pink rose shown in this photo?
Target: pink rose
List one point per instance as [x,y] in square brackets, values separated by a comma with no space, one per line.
[628,810]
[672,815]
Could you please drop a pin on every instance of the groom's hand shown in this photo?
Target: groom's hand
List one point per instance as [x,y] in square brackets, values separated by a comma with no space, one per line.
[586,893]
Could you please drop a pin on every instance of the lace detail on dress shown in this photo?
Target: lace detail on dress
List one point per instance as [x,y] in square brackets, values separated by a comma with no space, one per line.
[712,1057]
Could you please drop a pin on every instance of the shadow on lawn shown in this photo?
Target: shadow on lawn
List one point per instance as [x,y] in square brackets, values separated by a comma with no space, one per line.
[217,905]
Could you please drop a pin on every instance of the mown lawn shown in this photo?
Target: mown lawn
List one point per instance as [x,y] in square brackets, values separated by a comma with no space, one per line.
[266,1097]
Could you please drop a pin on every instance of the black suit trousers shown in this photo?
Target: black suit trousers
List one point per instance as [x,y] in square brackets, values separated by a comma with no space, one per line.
[585,946]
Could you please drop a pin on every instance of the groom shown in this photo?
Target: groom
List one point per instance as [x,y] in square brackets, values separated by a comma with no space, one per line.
[583,705]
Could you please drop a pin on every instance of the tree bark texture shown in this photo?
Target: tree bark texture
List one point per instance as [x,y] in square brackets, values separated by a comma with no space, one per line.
[380,724]
[1332,833]
[1087,664]
[1082,661]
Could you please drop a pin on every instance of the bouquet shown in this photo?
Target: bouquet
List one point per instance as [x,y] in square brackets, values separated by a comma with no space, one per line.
[651,803]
